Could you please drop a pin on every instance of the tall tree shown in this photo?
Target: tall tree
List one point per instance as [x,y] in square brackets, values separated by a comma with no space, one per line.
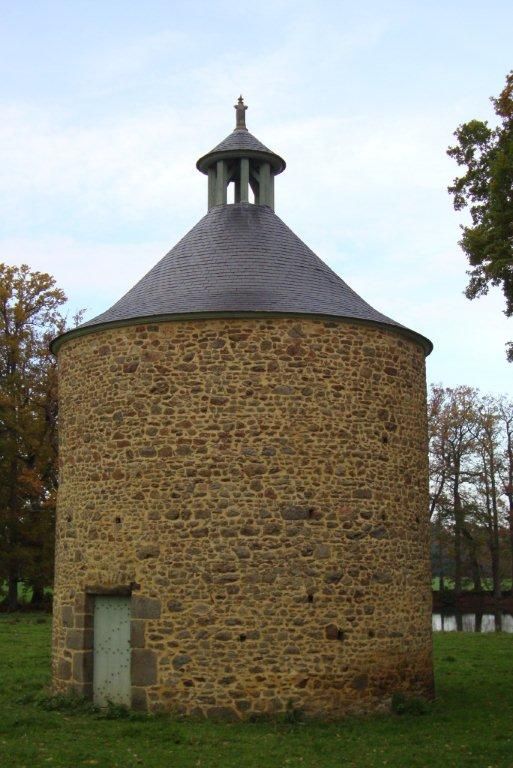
[505,408]
[30,316]
[487,189]
[488,487]
[452,441]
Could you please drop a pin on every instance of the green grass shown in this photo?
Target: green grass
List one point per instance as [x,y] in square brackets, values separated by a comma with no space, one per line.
[468,726]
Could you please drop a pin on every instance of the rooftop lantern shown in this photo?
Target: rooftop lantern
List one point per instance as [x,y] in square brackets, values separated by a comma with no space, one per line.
[243,160]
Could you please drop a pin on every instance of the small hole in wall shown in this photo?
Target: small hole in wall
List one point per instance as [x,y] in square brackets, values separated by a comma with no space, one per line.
[69,519]
[310,597]
[333,632]
[311,512]
[242,638]
[118,520]
[370,633]
[384,440]
[417,519]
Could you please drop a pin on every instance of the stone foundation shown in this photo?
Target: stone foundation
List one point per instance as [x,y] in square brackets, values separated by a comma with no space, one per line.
[259,487]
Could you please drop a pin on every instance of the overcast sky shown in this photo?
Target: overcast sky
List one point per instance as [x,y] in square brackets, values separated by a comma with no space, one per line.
[105,107]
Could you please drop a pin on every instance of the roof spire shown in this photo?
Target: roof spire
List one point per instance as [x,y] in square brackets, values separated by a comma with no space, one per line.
[240,112]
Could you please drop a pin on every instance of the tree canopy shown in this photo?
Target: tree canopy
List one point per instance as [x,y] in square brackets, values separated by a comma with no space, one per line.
[471,485]
[30,315]
[486,188]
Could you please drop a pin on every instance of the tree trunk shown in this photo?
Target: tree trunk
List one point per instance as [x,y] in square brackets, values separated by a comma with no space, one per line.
[474,562]
[496,576]
[12,593]
[476,574]
[458,531]
[441,573]
[38,594]
[509,492]
[496,550]
[510,520]
[511,540]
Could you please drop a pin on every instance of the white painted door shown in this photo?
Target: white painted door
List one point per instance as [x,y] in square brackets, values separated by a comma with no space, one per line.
[111,670]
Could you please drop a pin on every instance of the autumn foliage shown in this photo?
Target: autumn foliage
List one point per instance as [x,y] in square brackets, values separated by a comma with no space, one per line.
[30,315]
[471,486]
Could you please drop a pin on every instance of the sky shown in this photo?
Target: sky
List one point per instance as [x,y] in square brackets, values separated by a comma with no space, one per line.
[105,107]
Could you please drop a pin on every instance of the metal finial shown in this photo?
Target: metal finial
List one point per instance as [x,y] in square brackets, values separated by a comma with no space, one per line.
[240,112]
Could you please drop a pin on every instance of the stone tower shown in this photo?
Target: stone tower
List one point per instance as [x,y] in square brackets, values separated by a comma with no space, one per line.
[242,515]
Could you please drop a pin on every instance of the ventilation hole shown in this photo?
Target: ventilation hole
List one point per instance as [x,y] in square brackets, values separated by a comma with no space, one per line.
[340,635]
[242,638]
[118,520]
[311,512]
[384,440]
[310,597]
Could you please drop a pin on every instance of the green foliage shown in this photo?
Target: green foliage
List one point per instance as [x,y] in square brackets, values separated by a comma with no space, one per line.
[409,705]
[71,704]
[30,315]
[469,723]
[65,703]
[486,188]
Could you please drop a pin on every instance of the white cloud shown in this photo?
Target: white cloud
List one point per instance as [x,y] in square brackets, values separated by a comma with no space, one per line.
[96,196]
[93,276]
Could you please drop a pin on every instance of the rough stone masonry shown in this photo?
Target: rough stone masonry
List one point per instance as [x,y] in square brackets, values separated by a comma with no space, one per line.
[259,488]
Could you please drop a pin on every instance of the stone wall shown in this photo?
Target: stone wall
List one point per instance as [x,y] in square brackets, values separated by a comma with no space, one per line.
[259,486]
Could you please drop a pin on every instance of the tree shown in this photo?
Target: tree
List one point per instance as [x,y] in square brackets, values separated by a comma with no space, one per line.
[29,317]
[487,189]
[452,442]
[438,464]
[488,487]
[471,485]
[506,416]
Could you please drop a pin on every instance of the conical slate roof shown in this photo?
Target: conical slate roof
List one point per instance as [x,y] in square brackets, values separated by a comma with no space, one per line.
[240,140]
[242,258]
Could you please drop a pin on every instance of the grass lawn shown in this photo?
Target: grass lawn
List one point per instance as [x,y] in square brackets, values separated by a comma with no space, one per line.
[470,724]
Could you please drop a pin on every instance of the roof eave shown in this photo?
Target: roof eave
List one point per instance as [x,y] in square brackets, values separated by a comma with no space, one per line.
[84,330]
[276,162]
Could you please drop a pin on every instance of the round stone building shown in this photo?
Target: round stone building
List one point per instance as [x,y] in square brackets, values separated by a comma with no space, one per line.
[242,518]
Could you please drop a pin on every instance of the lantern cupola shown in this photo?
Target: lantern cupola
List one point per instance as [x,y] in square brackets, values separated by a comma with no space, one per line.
[243,160]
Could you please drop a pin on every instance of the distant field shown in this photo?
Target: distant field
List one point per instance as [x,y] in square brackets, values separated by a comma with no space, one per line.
[487,584]
[25,592]
[469,725]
